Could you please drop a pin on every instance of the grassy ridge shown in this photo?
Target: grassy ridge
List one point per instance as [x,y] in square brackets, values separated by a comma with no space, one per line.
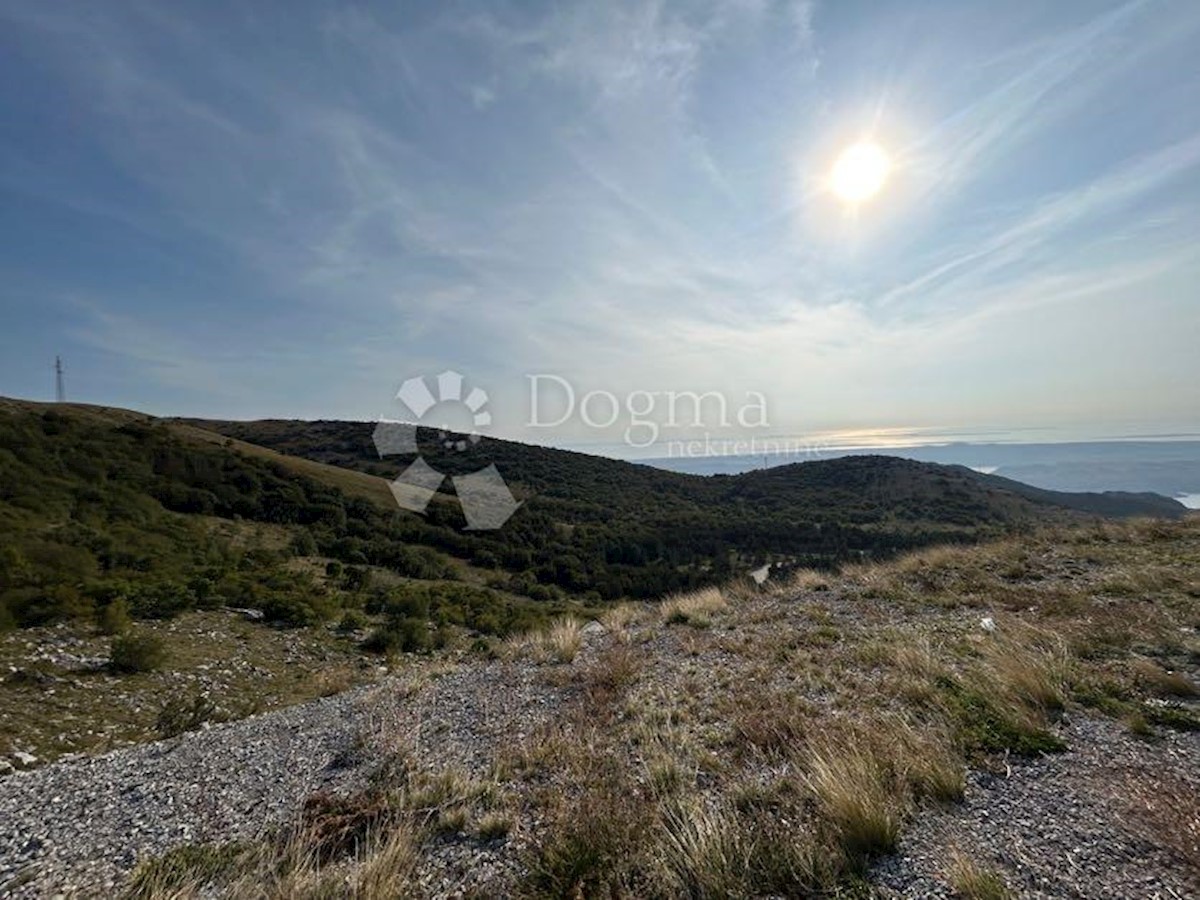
[591,524]
[104,506]
[774,743]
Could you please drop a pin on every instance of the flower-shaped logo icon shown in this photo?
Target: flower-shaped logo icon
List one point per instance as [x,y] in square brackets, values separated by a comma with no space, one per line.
[487,503]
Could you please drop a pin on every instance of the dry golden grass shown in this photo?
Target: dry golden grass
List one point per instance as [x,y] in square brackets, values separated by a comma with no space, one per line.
[386,869]
[803,580]
[1031,665]
[855,795]
[1166,811]
[334,680]
[606,680]
[560,642]
[293,864]
[705,851]
[696,608]
[620,619]
[1160,682]
[916,657]
[972,881]
[771,722]
[494,825]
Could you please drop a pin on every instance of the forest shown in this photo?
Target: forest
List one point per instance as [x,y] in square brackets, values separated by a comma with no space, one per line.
[97,507]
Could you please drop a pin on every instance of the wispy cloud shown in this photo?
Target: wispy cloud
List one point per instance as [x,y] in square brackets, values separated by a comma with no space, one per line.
[629,192]
[1040,229]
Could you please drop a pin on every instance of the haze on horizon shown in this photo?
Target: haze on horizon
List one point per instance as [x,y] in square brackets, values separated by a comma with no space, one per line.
[209,210]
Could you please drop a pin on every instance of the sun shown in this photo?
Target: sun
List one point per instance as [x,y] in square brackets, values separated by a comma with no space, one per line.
[860,172]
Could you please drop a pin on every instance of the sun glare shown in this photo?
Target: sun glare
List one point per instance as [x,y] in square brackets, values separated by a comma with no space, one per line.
[860,172]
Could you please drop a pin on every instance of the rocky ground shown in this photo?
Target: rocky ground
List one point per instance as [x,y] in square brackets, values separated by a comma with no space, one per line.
[1065,825]
[1108,818]
[59,698]
[706,692]
[80,826]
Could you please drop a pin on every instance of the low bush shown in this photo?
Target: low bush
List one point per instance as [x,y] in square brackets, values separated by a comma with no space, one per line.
[353,620]
[137,652]
[404,635]
[182,714]
[115,618]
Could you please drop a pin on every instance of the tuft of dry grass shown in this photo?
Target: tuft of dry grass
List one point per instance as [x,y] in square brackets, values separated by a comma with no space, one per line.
[494,825]
[332,826]
[771,722]
[804,580]
[1030,665]
[705,851]
[346,852]
[696,608]
[1166,811]
[1161,682]
[184,871]
[972,881]
[619,621]
[923,760]
[334,680]
[854,794]
[386,869]
[607,680]
[559,643]
[596,824]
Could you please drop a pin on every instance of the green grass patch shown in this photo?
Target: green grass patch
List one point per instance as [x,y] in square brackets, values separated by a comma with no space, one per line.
[986,724]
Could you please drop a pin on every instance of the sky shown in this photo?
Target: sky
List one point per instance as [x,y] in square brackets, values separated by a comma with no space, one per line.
[289,209]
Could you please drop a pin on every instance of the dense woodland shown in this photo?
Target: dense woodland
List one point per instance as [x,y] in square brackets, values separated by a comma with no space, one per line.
[98,507]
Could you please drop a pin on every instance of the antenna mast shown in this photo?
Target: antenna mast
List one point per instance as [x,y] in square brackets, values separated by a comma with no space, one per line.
[60,391]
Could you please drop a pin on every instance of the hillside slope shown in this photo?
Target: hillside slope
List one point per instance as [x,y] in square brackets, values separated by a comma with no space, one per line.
[119,529]
[193,552]
[868,481]
[956,722]
[625,529]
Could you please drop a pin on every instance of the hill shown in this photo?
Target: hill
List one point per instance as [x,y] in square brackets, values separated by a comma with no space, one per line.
[147,569]
[621,529]
[98,503]
[950,723]
[131,546]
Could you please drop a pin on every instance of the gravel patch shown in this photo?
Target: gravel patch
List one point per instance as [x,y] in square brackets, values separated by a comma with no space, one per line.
[1067,825]
[80,826]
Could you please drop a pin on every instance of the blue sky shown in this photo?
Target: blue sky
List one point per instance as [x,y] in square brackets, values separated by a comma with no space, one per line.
[248,210]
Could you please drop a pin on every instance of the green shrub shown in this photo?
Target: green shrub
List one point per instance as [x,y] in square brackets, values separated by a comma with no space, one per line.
[296,610]
[399,636]
[161,600]
[352,620]
[989,726]
[304,545]
[115,618]
[179,715]
[137,652]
